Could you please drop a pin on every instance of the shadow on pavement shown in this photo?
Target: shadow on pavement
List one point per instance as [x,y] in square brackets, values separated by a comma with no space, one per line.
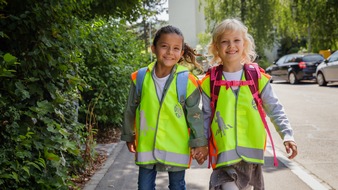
[270,168]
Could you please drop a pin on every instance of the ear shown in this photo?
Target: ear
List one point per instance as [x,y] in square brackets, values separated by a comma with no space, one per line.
[216,46]
[182,52]
[153,48]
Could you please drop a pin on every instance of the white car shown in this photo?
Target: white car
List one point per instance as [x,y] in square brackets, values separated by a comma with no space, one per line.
[327,71]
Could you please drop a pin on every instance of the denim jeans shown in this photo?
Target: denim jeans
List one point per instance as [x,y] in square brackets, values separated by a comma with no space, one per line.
[146,179]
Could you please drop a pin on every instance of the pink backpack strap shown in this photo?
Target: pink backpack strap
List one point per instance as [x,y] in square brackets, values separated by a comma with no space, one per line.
[253,73]
[231,83]
[216,73]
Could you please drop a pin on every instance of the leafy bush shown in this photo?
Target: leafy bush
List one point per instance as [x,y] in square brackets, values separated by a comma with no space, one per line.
[112,53]
[50,58]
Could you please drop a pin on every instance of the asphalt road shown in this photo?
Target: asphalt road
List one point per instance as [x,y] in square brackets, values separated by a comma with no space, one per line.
[313,113]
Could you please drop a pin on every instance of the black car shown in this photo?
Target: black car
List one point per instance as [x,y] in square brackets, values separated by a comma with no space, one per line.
[295,67]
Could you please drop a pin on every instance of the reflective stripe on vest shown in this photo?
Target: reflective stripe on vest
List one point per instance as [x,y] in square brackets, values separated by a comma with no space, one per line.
[232,156]
[162,156]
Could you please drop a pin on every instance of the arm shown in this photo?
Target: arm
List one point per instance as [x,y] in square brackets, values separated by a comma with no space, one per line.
[129,119]
[201,157]
[275,110]
[194,116]
[206,114]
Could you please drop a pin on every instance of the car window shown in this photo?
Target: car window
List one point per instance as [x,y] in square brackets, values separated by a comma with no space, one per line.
[281,60]
[333,57]
[313,58]
[293,58]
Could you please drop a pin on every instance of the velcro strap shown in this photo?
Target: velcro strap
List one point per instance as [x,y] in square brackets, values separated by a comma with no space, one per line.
[228,84]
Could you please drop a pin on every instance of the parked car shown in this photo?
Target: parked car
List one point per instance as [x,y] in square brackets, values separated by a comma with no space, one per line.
[327,71]
[295,67]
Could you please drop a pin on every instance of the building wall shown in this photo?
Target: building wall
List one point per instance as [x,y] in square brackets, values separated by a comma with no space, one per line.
[185,15]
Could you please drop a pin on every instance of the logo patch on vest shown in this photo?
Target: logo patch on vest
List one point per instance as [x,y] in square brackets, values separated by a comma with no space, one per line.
[222,126]
[178,110]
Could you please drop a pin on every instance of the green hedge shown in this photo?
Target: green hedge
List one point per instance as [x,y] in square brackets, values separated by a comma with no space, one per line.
[107,70]
[53,63]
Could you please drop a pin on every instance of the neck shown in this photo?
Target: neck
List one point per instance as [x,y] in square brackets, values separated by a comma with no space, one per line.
[232,67]
[162,71]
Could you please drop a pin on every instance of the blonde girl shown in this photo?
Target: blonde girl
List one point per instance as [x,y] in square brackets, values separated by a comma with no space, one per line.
[237,129]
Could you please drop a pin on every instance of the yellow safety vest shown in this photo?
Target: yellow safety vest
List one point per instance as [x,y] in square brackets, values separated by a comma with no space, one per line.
[162,133]
[237,128]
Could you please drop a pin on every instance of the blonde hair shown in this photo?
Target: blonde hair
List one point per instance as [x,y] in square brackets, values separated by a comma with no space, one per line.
[229,26]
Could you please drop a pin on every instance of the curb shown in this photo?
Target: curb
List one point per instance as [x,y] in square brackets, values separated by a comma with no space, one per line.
[112,151]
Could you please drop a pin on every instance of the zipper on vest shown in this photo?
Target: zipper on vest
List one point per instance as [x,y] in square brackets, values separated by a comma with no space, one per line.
[236,117]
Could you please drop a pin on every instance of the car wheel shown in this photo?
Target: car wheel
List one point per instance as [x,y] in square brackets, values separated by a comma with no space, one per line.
[292,78]
[321,80]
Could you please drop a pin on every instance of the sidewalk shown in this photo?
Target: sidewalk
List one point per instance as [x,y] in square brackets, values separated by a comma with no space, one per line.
[120,173]
[111,150]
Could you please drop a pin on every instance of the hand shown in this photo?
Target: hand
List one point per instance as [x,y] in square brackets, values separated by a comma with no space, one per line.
[291,146]
[131,146]
[200,154]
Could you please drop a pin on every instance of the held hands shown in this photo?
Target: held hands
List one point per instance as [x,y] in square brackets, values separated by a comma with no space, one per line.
[131,146]
[200,154]
[291,146]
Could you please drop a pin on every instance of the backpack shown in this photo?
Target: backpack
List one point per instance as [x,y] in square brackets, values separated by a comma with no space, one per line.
[181,84]
[252,74]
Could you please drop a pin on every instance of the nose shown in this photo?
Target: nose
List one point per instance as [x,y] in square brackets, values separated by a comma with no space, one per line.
[231,44]
[169,50]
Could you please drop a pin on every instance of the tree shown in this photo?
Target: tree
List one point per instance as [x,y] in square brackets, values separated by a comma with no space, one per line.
[147,26]
[258,16]
[275,20]
[310,20]
[318,23]
[127,9]
[326,37]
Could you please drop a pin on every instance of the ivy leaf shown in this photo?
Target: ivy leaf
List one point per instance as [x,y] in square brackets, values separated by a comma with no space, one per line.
[6,73]
[9,58]
[46,106]
[21,91]
[51,156]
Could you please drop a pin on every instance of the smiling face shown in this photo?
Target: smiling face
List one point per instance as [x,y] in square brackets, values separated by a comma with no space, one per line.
[230,47]
[168,49]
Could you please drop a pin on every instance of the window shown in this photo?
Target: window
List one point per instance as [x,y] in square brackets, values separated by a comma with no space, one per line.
[313,58]
[293,58]
[281,60]
[334,57]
